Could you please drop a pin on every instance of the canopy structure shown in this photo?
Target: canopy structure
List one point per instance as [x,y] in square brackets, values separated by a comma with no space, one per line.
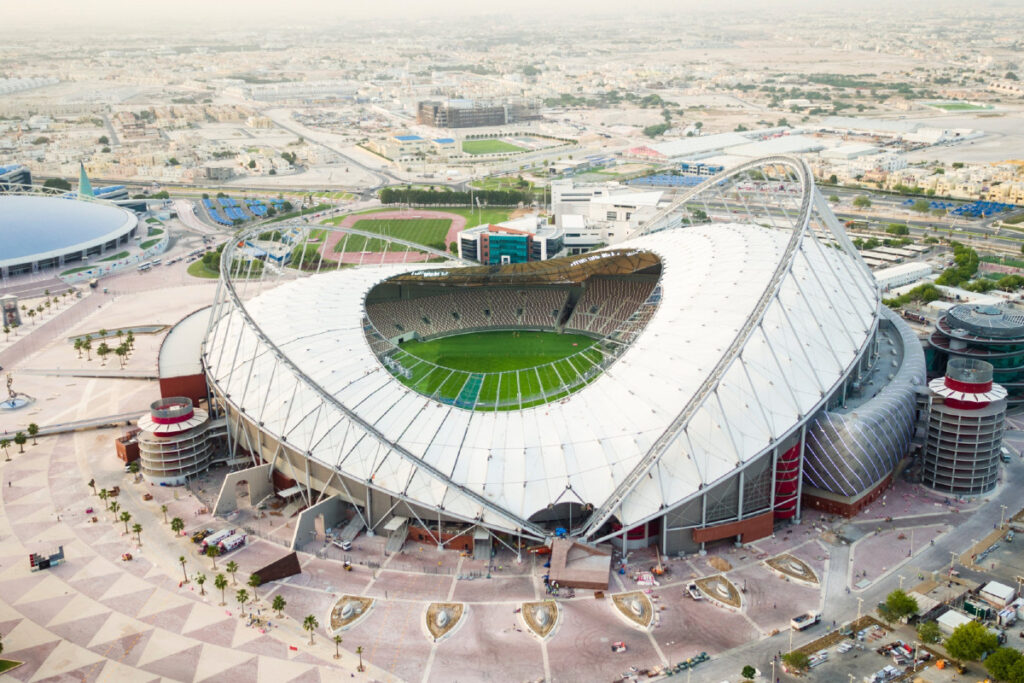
[760,316]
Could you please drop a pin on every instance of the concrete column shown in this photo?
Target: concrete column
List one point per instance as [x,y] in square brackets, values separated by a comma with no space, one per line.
[739,503]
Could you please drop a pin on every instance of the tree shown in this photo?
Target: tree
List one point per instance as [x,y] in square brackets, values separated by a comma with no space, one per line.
[177,525]
[57,184]
[928,632]
[748,672]
[242,596]
[33,430]
[898,604]
[278,605]
[104,140]
[797,661]
[834,198]
[7,333]
[87,345]
[126,517]
[833,180]
[103,351]
[337,646]
[114,507]
[231,568]
[221,583]
[359,651]
[104,494]
[32,315]
[861,202]
[310,624]
[137,530]
[1001,662]
[6,444]
[122,354]
[163,509]
[921,206]
[254,582]
[212,552]
[78,346]
[970,641]
[20,439]
[181,561]
[200,580]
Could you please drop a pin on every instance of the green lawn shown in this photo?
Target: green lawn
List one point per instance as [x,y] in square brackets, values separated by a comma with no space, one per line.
[473,217]
[497,370]
[501,183]
[153,232]
[149,243]
[118,255]
[959,106]
[8,664]
[199,269]
[430,232]
[489,147]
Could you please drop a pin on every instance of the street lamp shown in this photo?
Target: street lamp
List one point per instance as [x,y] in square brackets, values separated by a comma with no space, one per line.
[1002,516]
[952,559]
[860,601]
[901,581]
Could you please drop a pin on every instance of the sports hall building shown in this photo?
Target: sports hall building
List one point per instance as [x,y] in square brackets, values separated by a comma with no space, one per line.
[737,368]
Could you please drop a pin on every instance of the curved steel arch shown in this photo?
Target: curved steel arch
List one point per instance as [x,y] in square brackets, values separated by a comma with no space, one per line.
[228,287]
[602,513]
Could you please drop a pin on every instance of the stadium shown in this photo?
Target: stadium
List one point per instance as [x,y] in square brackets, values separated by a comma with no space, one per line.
[40,231]
[700,382]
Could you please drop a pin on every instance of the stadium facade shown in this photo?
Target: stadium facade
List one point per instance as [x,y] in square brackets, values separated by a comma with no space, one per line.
[40,231]
[741,364]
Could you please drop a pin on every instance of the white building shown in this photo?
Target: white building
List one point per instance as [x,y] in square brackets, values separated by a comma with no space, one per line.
[997,594]
[902,274]
[600,214]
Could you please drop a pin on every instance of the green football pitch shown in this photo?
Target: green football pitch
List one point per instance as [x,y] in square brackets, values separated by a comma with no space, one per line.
[499,370]
[489,147]
[427,231]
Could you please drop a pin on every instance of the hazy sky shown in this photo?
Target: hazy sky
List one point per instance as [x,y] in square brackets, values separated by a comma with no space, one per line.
[30,18]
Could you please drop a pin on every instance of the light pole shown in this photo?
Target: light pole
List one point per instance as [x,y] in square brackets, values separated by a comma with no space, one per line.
[1002,515]
[773,671]
[860,601]
[952,559]
[901,581]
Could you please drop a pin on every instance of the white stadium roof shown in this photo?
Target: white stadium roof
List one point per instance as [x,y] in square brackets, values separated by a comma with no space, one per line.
[347,411]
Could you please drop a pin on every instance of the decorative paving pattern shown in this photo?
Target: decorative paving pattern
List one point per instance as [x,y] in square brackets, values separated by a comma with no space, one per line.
[793,568]
[442,618]
[541,617]
[349,610]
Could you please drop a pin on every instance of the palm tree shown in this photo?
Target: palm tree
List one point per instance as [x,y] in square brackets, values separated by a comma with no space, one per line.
[278,605]
[104,495]
[130,340]
[337,646]
[114,507]
[33,429]
[212,552]
[101,334]
[163,509]
[310,624]
[181,561]
[92,485]
[20,439]
[137,530]
[120,333]
[5,444]
[231,568]
[103,351]
[200,580]
[242,596]
[359,651]
[78,346]
[126,517]
[32,315]
[254,583]
[87,345]
[7,333]
[221,582]
[122,353]
[177,525]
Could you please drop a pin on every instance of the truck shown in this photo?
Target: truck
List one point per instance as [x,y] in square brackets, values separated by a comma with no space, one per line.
[231,543]
[216,538]
[805,620]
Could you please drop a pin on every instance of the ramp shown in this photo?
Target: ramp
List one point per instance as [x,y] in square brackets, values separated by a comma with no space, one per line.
[352,529]
[481,545]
